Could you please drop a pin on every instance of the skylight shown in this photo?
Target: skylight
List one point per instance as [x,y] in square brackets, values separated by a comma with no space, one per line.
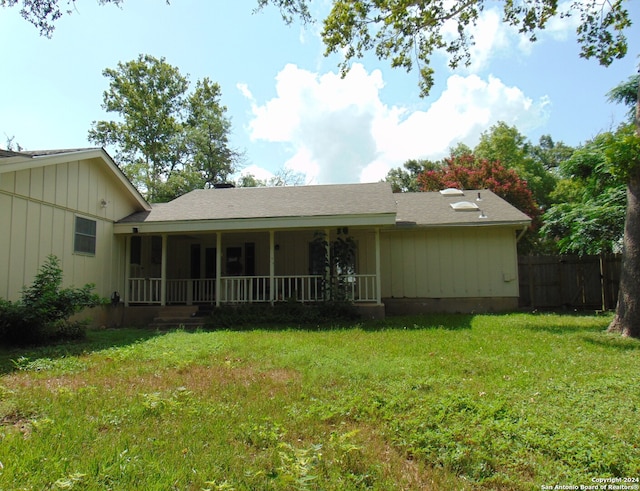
[464,206]
[451,192]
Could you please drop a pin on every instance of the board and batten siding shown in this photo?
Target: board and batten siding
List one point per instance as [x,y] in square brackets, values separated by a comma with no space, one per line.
[38,207]
[469,262]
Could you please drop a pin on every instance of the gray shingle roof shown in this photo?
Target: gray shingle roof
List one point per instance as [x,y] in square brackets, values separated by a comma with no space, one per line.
[41,153]
[434,209]
[8,153]
[410,209]
[274,202]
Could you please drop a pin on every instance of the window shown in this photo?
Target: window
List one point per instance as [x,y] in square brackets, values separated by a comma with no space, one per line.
[234,261]
[136,250]
[85,237]
[317,257]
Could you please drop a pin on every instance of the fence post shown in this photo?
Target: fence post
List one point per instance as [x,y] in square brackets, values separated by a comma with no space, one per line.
[531,288]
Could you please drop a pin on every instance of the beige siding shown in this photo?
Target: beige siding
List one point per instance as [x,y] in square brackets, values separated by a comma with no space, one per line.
[38,207]
[449,263]
[291,254]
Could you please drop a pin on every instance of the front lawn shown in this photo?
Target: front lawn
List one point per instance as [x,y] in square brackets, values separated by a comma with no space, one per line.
[443,402]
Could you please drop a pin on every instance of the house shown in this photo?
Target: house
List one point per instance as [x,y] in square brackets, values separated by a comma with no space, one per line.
[444,251]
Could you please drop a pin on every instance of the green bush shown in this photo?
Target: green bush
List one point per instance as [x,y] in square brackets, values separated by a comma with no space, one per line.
[43,312]
[292,313]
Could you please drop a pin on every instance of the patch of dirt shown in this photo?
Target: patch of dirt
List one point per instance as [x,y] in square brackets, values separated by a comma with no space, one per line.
[17,421]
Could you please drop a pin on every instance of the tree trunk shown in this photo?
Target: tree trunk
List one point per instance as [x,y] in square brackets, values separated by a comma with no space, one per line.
[627,318]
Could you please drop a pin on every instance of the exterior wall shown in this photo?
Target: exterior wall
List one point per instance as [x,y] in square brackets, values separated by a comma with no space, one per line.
[291,255]
[464,265]
[38,207]
[416,306]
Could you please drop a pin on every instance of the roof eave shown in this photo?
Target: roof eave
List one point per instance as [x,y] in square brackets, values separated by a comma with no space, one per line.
[495,223]
[254,224]
[13,164]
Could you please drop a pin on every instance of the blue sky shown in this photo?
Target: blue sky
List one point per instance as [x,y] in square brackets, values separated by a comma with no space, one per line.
[288,106]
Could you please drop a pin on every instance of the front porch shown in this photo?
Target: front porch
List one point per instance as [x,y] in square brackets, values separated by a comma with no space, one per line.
[250,267]
[247,289]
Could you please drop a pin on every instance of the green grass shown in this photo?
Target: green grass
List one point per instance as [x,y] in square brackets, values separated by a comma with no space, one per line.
[443,402]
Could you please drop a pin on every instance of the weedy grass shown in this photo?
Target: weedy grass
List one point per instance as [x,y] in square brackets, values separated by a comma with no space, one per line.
[437,402]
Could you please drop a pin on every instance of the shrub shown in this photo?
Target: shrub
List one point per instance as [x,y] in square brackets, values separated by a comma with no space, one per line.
[42,314]
[282,314]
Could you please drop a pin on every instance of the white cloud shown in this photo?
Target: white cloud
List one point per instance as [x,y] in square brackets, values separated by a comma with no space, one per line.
[492,37]
[257,172]
[339,130]
[244,90]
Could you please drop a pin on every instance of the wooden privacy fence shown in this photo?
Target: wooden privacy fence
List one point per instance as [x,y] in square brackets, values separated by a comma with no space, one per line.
[575,282]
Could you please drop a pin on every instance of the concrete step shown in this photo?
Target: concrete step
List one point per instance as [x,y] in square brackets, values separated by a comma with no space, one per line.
[176,322]
[177,316]
[178,311]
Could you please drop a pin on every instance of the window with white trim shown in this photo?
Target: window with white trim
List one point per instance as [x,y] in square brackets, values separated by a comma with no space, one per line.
[85,236]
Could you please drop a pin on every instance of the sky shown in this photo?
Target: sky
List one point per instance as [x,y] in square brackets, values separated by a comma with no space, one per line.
[289,107]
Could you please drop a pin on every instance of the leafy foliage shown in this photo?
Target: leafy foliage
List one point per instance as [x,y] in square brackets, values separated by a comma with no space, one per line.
[594,226]
[338,260]
[627,93]
[408,33]
[44,310]
[405,179]
[471,172]
[537,164]
[505,144]
[168,142]
[588,211]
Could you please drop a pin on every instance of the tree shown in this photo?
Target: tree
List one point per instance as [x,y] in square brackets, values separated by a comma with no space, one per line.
[409,32]
[405,179]
[167,142]
[208,134]
[12,145]
[43,14]
[286,176]
[508,146]
[624,152]
[250,181]
[551,154]
[588,206]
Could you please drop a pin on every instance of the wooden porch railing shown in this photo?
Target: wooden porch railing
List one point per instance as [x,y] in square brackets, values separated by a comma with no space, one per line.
[248,289]
[145,290]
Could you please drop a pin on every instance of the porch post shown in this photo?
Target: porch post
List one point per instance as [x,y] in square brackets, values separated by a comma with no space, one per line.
[327,269]
[218,267]
[272,266]
[378,279]
[163,273]
[127,269]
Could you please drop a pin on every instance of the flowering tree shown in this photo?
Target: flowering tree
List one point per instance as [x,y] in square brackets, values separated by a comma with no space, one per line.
[469,172]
